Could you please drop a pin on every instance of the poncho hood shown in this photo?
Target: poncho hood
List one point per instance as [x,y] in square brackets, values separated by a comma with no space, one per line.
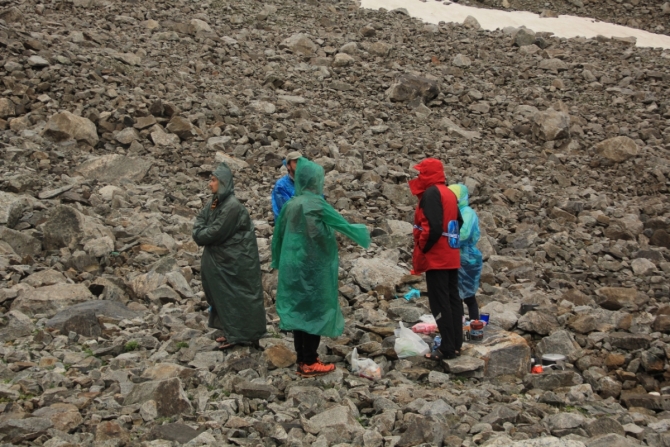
[431,172]
[461,192]
[226,185]
[309,178]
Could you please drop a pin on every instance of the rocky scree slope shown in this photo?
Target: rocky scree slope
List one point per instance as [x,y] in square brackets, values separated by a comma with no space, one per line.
[113,114]
[649,15]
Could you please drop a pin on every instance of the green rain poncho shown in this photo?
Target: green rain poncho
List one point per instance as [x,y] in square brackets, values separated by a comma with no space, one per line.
[304,249]
[230,267]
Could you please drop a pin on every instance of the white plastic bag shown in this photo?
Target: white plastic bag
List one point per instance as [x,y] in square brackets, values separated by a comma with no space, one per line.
[409,344]
[428,318]
[365,367]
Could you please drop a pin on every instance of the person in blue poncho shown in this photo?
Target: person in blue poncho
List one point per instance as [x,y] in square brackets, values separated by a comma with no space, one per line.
[284,189]
[471,258]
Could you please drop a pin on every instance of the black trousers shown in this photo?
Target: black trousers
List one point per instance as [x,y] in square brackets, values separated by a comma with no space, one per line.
[473,307]
[306,346]
[447,308]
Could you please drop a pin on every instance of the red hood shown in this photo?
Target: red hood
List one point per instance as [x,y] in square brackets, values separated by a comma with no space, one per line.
[431,172]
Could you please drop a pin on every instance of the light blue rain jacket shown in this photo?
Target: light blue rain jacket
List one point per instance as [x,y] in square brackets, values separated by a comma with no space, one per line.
[471,258]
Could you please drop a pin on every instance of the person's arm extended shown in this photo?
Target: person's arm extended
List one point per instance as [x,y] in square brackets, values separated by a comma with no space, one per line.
[431,203]
[356,232]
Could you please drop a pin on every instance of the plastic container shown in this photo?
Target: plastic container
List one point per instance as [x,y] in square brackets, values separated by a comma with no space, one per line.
[553,359]
[453,234]
[476,330]
[424,328]
[437,342]
[485,318]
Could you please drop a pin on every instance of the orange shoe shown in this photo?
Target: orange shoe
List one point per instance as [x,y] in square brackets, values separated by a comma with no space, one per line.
[317,368]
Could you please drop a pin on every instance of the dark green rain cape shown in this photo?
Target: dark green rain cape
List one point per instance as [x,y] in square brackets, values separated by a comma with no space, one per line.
[230,267]
[304,249]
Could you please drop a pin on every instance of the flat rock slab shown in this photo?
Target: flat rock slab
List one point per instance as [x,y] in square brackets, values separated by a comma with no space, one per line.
[648,401]
[16,430]
[110,309]
[464,364]
[339,417]
[627,341]
[549,441]
[176,432]
[371,273]
[47,277]
[113,168]
[255,390]
[611,440]
[207,360]
[550,380]
[51,299]
[162,371]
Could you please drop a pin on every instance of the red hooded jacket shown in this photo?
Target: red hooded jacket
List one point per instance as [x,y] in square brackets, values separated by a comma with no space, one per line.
[437,206]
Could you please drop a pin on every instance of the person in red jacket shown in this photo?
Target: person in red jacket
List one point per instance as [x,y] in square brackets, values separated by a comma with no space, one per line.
[436,253]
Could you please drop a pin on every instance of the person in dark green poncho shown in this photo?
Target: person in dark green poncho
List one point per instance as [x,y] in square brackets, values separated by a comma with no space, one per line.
[304,249]
[230,266]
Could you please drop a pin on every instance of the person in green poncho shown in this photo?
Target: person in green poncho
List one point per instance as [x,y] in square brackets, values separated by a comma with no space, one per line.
[304,249]
[230,266]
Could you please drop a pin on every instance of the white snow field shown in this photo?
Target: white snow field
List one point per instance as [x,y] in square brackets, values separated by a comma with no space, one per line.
[490,19]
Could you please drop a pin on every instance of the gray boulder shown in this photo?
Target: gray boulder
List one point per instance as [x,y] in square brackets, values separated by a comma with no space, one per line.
[408,87]
[12,207]
[66,126]
[110,310]
[18,430]
[67,227]
[560,342]
[551,125]
[617,149]
[168,394]
[372,273]
[50,300]
[113,168]
[300,44]
[15,324]
[21,242]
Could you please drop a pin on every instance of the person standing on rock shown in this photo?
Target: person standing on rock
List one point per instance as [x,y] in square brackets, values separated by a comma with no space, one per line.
[436,223]
[230,265]
[471,258]
[284,189]
[304,249]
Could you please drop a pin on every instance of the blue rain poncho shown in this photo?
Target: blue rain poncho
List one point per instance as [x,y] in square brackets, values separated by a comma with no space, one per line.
[282,192]
[471,258]
[305,251]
